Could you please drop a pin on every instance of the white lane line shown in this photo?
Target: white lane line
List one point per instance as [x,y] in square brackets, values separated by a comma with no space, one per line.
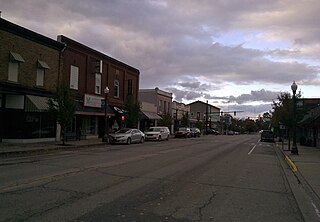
[253,148]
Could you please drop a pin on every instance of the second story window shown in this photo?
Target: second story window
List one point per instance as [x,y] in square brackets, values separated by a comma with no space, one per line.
[130,90]
[15,60]
[116,89]
[98,83]
[40,77]
[74,77]
[42,66]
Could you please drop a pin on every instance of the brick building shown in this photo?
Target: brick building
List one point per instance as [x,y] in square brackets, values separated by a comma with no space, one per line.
[88,72]
[29,71]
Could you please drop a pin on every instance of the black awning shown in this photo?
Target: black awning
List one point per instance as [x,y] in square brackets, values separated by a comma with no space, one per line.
[150,115]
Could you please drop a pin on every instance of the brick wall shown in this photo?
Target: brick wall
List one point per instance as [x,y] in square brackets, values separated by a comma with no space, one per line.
[30,51]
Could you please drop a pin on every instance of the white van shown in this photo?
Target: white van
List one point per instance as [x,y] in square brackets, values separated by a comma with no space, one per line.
[157,133]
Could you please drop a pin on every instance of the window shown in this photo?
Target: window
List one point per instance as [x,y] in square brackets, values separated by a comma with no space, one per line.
[15,60]
[98,84]
[74,77]
[160,106]
[116,88]
[42,66]
[13,71]
[169,111]
[130,91]
[164,106]
[40,77]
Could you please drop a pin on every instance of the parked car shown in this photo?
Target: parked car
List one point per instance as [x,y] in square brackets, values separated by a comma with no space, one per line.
[195,132]
[210,131]
[127,136]
[157,133]
[267,136]
[183,132]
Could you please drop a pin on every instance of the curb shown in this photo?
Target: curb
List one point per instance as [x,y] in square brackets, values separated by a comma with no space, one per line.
[40,150]
[292,166]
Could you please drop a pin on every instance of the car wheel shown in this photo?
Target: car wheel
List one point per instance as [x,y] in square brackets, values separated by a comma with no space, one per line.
[159,138]
[142,140]
[129,141]
[167,137]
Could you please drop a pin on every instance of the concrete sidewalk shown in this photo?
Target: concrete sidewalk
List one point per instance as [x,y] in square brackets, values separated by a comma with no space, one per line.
[8,149]
[306,168]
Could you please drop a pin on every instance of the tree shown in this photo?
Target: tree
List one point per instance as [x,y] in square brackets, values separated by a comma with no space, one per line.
[166,120]
[62,107]
[133,108]
[283,111]
[185,120]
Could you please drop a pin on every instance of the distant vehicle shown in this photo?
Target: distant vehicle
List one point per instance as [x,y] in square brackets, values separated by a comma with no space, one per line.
[183,132]
[195,132]
[157,133]
[210,131]
[267,136]
[230,132]
[127,136]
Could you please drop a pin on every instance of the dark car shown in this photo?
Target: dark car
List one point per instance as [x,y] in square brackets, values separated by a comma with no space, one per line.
[267,136]
[210,131]
[195,132]
[183,132]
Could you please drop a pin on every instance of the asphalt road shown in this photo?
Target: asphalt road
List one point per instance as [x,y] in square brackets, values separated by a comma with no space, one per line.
[211,178]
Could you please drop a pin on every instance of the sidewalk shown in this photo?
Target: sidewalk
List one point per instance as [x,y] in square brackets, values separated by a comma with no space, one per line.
[306,167]
[7,149]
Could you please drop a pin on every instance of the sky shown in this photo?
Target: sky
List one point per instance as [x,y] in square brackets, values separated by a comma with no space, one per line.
[238,55]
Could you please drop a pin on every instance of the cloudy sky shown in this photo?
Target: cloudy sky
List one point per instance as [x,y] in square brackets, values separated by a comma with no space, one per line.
[237,54]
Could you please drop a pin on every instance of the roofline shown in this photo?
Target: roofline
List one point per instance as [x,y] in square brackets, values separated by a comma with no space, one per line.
[66,40]
[29,34]
[203,103]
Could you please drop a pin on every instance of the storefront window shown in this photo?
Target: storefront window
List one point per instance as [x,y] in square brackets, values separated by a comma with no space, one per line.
[89,125]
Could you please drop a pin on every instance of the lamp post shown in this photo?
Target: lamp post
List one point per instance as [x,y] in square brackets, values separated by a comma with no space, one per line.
[105,137]
[294,149]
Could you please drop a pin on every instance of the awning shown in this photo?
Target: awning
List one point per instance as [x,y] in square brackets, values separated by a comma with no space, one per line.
[91,111]
[16,57]
[36,104]
[150,115]
[43,65]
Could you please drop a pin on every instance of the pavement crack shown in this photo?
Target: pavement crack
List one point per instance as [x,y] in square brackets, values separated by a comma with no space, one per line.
[209,202]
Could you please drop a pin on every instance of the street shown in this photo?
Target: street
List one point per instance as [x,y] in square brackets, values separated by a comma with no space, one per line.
[211,178]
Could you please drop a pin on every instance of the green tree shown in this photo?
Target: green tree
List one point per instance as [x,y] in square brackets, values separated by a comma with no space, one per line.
[62,106]
[166,120]
[282,112]
[185,120]
[133,108]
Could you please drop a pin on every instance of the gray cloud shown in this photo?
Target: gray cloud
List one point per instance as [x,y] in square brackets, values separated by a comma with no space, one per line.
[175,43]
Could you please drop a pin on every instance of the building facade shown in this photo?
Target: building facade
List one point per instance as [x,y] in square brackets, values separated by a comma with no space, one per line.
[160,99]
[309,126]
[203,112]
[30,67]
[179,110]
[88,72]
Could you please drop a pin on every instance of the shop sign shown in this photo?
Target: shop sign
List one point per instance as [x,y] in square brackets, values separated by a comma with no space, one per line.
[92,101]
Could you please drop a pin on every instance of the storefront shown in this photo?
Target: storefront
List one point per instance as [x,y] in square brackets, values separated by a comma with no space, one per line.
[148,119]
[25,118]
[90,117]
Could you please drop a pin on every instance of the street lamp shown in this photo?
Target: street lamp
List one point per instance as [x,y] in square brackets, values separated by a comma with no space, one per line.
[105,137]
[294,149]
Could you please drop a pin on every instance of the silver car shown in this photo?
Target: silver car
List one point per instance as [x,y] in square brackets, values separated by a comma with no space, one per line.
[157,133]
[127,136]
